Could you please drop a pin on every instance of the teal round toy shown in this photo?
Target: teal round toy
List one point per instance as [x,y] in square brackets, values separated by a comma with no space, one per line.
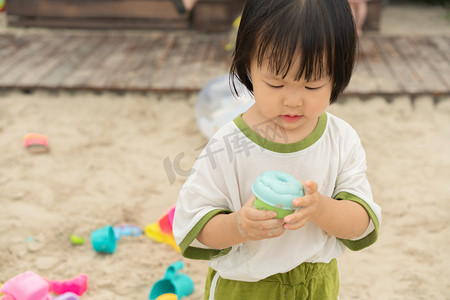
[275,191]
[174,282]
[103,240]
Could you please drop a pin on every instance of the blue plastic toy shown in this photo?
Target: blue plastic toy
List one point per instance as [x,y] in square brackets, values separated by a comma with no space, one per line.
[103,240]
[275,190]
[126,230]
[173,283]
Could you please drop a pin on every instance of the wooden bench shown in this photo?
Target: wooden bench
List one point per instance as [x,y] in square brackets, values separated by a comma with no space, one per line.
[208,15]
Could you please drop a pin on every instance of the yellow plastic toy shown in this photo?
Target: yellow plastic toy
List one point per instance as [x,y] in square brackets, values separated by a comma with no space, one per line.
[154,232]
[230,45]
[168,296]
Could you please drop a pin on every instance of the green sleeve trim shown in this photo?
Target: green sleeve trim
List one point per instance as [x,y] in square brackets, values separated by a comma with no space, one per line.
[371,237]
[201,253]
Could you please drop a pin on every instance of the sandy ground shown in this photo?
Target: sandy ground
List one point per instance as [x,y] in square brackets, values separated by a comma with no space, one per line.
[106,166]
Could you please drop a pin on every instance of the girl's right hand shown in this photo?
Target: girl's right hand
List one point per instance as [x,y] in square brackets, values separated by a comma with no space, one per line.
[255,224]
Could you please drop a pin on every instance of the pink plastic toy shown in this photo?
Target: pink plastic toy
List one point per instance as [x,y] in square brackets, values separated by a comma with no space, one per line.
[77,285]
[27,286]
[166,221]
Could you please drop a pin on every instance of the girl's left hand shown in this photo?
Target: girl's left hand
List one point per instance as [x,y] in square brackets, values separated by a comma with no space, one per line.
[311,205]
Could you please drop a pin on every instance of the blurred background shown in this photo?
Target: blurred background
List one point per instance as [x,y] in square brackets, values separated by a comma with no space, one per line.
[127,92]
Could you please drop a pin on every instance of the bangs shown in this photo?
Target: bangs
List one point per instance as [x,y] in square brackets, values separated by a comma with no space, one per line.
[318,37]
[290,37]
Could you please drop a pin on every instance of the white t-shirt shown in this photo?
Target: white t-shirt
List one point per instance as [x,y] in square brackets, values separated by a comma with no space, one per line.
[221,179]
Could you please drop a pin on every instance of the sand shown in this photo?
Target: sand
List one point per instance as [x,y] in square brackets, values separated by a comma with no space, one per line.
[111,162]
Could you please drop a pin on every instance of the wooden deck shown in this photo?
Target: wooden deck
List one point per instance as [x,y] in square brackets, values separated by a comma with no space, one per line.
[185,61]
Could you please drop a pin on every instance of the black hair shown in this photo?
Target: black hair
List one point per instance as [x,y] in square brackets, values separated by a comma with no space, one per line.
[321,31]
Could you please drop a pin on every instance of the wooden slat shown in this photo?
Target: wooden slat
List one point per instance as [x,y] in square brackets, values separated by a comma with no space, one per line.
[202,56]
[406,79]
[111,62]
[147,61]
[130,65]
[6,40]
[41,63]
[190,65]
[184,69]
[10,45]
[46,64]
[70,61]
[439,63]
[430,82]
[197,63]
[151,63]
[19,53]
[80,79]
[220,59]
[186,61]
[26,59]
[168,64]
[167,67]
[362,82]
[442,43]
[381,72]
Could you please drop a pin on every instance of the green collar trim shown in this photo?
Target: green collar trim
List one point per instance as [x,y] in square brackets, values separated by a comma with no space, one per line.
[279,147]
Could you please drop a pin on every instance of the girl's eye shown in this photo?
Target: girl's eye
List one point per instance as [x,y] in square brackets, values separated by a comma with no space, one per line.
[312,88]
[275,86]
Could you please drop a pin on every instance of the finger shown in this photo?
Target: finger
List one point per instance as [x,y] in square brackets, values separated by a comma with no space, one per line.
[275,233]
[296,225]
[309,187]
[255,214]
[268,225]
[302,201]
[262,229]
[296,220]
[250,202]
[295,217]
[271,228]
[261,215]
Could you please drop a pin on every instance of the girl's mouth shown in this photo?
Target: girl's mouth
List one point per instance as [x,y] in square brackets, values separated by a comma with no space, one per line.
[289,118]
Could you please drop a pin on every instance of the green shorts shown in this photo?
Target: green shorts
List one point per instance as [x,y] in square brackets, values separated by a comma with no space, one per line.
[309,281]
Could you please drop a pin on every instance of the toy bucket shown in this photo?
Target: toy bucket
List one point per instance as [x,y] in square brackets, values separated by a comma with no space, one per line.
[173,283]
[104,240]
[27,285]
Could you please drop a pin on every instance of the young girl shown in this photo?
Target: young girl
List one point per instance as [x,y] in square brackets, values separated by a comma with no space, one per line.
[296,57]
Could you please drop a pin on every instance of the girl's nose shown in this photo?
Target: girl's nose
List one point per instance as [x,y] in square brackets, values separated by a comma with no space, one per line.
[293,99]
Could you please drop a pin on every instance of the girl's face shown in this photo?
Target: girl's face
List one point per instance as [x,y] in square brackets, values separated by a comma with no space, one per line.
[293,106]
